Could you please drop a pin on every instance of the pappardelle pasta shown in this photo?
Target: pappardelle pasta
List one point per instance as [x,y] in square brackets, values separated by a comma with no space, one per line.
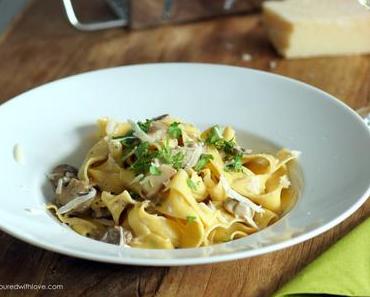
[163,184]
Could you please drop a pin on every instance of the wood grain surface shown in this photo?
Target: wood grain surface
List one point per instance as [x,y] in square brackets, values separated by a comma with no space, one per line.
[40,46]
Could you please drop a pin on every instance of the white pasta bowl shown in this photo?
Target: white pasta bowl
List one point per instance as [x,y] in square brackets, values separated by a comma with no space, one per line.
[53,124]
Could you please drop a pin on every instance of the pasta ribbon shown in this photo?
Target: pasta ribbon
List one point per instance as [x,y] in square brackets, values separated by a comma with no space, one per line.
[162,184]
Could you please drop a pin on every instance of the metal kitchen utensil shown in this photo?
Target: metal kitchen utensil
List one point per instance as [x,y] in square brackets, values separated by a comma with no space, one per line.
[147,13]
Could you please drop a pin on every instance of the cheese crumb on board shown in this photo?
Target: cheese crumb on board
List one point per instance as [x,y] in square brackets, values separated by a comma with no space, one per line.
[272,64]
[308,28]
[247,57]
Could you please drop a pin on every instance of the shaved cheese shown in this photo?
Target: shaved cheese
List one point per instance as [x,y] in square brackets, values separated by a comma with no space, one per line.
[59,187]
[122,241]
[249,218]
[125,237]
[166,185]
[192,155]
[224,220]
[211,205]
[152,184]
[241,210]
[74,203]
[296,154]
[140,133]
[218,132]
[235,195]
[284,182]
[137,179]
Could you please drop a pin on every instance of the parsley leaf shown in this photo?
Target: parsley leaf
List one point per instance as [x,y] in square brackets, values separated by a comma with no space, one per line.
[167,156]
[202,162]
[215,138]
[128,142]
[235,164]
[144,158]
[191,219]
[214,135]
[154,170]
[228,146]
[145,125]
[191,184]
[134,195]
[174,131]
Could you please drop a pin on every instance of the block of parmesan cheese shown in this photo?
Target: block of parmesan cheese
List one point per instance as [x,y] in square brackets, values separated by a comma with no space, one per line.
[307,28]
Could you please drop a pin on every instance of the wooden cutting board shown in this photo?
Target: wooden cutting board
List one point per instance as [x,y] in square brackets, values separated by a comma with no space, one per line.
[40,46]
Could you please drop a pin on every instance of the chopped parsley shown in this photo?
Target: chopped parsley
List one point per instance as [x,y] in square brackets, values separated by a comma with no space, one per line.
[154,170]
[214,135]
[215,138]
[143,153]
[128,142]
[203,161]
[126,139]
[228,146]
[191,219]
[191,184]
[145,125]
[236,163]
[177,160]
[134,195]
[144,157]
[174,131]
[167,156]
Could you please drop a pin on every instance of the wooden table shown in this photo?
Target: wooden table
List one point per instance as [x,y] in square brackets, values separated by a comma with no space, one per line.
[40,46]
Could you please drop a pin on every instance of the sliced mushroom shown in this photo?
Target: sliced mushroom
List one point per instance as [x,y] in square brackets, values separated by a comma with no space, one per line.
[64,172]
[161,117]
[157,131]
[152,184]
[71,190]
[117,235]
[240,210]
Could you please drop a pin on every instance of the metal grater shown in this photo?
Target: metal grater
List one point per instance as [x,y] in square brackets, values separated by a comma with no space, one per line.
[148,13]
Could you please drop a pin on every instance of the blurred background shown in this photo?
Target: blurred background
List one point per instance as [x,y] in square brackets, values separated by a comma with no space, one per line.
[8,10]
[43,40]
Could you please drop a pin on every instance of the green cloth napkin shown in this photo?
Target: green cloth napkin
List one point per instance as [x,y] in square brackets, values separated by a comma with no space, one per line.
[343,270]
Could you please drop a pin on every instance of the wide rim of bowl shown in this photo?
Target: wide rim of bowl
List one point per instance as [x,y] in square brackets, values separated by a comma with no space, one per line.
[213,258]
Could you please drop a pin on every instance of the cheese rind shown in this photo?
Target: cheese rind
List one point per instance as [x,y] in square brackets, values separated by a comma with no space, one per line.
[306,28]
